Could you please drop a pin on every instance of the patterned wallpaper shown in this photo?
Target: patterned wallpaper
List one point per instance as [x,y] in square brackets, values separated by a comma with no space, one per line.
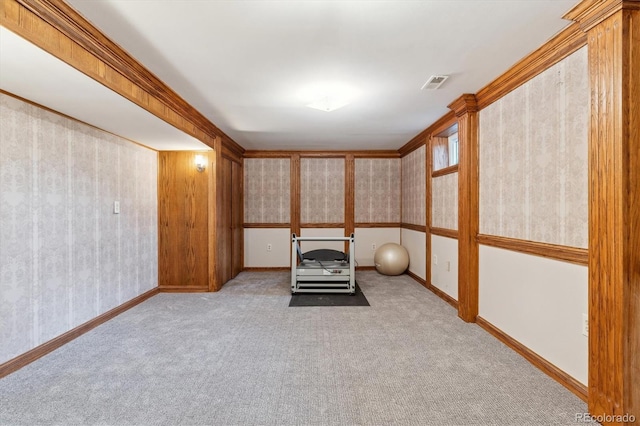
[267,189]
[444,201]
[65,258]
[413,187]
[534,159]
[377,195]
[322,190]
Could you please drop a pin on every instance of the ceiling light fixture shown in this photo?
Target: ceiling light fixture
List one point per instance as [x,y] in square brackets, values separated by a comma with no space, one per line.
[327,96]
[328,104]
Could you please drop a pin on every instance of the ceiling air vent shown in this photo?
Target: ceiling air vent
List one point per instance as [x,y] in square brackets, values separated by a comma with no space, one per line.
[434,82]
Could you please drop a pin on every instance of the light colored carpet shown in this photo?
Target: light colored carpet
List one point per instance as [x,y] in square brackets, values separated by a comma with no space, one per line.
[243,357]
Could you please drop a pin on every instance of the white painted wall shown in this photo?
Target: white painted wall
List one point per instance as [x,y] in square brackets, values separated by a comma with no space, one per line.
[444,273]
[367,237]
[539,302]
[256,254]
[415,243]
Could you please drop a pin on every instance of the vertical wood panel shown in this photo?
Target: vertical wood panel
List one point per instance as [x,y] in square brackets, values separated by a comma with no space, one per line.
[237,218]
[223,230]
[182,221]
[349,197]
[613,38]
[614,211]
[295,194]
[429,164]
[466,110]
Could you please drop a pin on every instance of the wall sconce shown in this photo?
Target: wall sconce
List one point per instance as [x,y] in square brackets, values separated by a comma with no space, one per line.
[201,163]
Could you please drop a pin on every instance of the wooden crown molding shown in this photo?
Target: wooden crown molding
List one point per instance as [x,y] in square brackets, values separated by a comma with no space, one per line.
[559,47]
[422,138]
[321,154]
[588,13]
[63,18]
[464,104]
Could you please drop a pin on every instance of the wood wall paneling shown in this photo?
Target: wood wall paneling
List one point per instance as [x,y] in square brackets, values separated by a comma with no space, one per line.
[295,194]
[182,221]
[349,197]
[237,213]
[466,109]
[613,30]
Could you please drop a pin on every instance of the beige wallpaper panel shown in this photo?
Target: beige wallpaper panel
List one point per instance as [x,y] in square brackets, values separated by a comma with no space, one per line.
[413,187]
[267,188]
[533,158]
[377,190]
[65,258]
[444,201]
[322,190]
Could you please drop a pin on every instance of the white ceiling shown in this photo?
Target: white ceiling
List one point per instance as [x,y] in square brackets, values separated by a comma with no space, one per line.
[244,64]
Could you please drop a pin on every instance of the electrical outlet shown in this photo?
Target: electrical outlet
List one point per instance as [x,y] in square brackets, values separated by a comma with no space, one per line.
[116,207]
[435,259]
[268,247]
[585,325]
[448,265]
[373,246]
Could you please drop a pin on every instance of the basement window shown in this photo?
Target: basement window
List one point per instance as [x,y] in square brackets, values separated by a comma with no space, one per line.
[453,149]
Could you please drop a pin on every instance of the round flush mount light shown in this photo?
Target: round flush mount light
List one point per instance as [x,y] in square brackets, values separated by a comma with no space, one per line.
[328,96]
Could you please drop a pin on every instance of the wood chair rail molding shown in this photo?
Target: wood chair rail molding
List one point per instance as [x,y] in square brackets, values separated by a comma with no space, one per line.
[57,28]
[445,171]
[443,232]
[413,227]
[322,225]
[377,225]
[575,255]
[266,225]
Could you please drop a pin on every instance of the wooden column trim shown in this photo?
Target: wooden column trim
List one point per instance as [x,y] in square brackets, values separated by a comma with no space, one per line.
[613,39]
[215,212]
[466,110]
[349,197]
[428,205]
[295,194]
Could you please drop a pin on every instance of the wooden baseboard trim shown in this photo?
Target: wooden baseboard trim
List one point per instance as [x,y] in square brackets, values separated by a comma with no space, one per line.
[545,366]
[266,269]
[182,289]
[28,357]
[417,278]
[442,295]
[435,290]
[365,268]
